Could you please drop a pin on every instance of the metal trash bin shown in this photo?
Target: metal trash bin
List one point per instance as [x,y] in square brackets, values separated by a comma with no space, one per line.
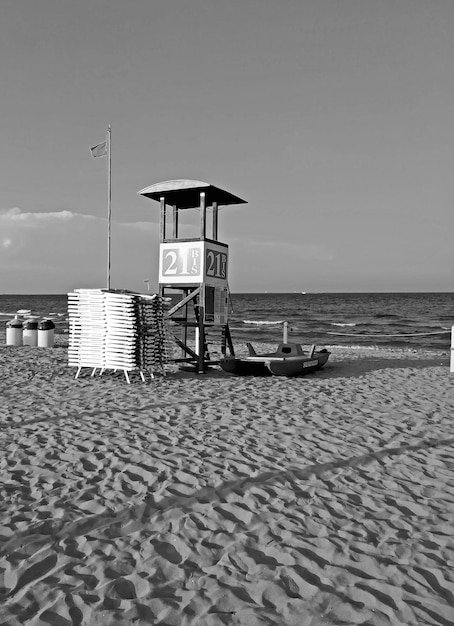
[46,334]
[30,335]
[14,330]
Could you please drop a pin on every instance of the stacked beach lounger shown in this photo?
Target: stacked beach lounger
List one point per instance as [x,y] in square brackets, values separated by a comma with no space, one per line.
[122,333]
[154,337]
[87,328]
[117,330]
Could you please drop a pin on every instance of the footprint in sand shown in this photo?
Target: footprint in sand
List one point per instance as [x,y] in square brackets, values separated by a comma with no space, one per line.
[35,572]
[168,552]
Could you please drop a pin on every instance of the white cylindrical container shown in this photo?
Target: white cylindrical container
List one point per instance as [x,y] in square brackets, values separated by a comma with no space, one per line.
[14,329]
[46,334]
[30,336]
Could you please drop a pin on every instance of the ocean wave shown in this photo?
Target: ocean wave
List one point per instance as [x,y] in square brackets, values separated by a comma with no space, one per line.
[7,314]
[342,346]
[340,324]
[263,322]
[26,314]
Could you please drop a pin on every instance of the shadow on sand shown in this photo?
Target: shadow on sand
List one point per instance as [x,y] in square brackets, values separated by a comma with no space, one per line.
[345,368]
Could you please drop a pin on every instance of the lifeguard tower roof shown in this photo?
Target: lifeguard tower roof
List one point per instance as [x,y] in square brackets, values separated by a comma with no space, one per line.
[185,194]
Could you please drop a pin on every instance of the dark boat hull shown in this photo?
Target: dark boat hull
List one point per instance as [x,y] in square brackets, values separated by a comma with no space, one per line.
[243,367]
[267,365]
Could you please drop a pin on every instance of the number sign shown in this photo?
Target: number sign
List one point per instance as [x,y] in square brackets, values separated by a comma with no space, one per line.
[181,262]
[215,263]
[193,262]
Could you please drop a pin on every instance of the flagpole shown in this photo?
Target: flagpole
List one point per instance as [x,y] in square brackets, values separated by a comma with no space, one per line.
[109,200]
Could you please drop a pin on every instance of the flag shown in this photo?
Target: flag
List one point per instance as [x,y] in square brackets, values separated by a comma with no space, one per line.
[99,150]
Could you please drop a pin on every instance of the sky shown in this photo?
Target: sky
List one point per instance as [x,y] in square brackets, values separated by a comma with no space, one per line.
[333,119]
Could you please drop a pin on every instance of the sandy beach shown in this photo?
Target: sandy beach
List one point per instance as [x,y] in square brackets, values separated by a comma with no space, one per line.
[215,499]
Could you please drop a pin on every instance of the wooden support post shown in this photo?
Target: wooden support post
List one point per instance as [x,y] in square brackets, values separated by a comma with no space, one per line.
[184,301]
[163,218]
[203,215]
[175,222]
[185,349]
[185,328]
[223,341]
[201,346]
[196,340]
[200,338]
[228,338]
[215,221]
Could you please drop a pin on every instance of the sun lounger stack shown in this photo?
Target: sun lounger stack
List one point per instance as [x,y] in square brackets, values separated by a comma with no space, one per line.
[154,345]
[87,328]
[117,330]
[122,337]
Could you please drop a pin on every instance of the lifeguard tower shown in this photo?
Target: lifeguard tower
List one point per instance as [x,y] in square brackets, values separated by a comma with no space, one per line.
[194,268]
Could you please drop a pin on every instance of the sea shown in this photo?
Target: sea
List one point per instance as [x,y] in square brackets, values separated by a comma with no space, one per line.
[399,320]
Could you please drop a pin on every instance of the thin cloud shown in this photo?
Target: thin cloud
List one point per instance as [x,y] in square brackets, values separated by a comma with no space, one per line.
[17,215]
[63,250]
